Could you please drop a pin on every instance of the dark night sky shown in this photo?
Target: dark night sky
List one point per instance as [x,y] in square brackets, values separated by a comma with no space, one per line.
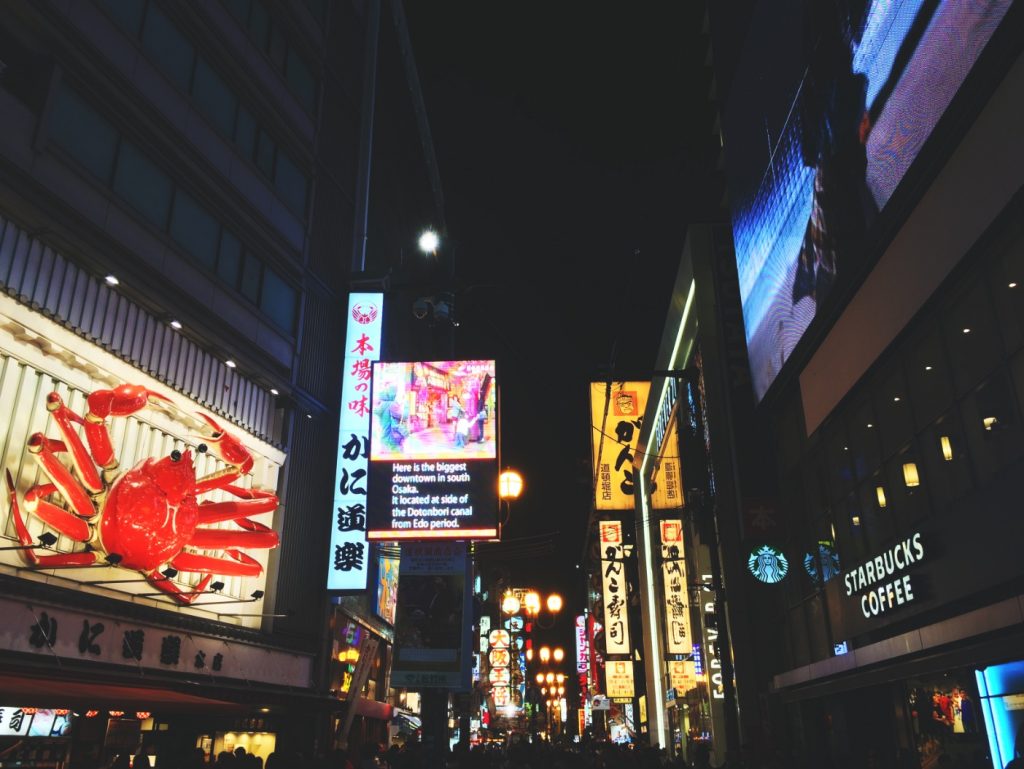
[569,136]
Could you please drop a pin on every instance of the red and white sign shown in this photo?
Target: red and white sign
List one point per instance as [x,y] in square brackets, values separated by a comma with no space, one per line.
[613,583]
[582,645]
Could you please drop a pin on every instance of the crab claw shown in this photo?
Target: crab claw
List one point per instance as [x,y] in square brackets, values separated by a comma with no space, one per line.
[124,400]
[226,446]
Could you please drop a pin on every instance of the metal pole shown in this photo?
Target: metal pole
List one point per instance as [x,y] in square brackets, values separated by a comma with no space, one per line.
[362,234]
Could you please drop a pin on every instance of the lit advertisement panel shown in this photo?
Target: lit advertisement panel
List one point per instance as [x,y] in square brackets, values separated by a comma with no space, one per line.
[387,587]
[434,451]
[349,564]
[820,141]
[615,411]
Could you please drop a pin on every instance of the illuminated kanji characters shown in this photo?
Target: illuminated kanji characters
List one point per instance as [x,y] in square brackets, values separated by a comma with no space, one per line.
[356,447]
[352,518]
[361,406]
[363,345]
[348,482]
[349,556]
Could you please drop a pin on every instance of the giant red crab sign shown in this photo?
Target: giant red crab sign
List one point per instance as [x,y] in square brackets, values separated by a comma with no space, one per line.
[146,517]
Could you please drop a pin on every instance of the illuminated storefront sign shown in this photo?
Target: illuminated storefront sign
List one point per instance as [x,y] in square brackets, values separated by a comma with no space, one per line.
[668,482]
[434,451]
[677,606]
[69,409]
[613,581]
[768,564]
[682,675]
[876,576]
[348,566]
[582,646]
[617,411]
[618,676]
[714,660]
[387,587]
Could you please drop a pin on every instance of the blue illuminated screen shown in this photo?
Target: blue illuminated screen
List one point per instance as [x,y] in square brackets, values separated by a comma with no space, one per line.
[821,138]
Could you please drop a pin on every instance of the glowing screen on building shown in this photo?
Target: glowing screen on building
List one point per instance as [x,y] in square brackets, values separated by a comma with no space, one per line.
[820,142]
[434,451]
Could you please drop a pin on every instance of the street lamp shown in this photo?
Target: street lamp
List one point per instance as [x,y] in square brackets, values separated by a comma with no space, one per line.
[545,654]
[558,654]
[540,678]
[510,604]
[429,242]
[510,485]
[554,603]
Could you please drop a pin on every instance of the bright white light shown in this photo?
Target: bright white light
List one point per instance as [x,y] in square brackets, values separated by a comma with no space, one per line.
[176,325]
[429,242]
[273,391]
[229,363]
[111,280]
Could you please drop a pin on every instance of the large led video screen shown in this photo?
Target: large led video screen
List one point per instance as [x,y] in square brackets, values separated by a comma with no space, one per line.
[830,107]
[433,451]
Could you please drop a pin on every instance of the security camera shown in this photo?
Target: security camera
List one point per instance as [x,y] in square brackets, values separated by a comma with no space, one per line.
[421,308]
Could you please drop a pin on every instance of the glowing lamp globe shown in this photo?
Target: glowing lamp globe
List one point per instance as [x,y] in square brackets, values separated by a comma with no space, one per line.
[510,485]
[554,603]
[510,604]
[429,242]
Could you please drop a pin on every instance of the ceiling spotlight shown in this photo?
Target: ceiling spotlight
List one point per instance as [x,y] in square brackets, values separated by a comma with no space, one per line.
[273,391]
[47,539]
[1013,284]
[176,325]
[230,363]
[257,595]
[217,586]
[111,280]
[309,416]
[927,368]
[170,572]
[967,331]
[896,399]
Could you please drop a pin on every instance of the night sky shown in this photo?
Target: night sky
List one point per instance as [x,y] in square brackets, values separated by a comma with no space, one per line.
[573,145]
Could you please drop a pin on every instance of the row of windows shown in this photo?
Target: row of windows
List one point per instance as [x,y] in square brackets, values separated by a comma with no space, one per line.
[267,35]
[941,417]
[136,179]
[188,69]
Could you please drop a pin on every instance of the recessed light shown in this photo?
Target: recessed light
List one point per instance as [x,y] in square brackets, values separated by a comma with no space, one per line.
[309,416]
[967,331]
[111,280]
[927,368]
[273,391]
[1012,284]
[896,399]
[870,425]
[846,448]
[229,363]
[176,325]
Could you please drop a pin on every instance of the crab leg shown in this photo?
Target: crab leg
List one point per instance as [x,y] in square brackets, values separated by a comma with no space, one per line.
[161,583]
[64,417]
[25,538]
[124,400]
[238,565]
[57,517]
[42,448]
[255,535]
[253,502]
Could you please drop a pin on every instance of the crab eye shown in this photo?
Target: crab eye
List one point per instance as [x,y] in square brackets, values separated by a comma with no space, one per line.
[175,455]
[215,436]
[202,448]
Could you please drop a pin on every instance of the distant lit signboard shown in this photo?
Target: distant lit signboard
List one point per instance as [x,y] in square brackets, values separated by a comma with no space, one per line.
[434,451]
[682,675]
[616,410]
[582,645]
[618,676]
[842,130]
[387,587]
[668,480]
[613,582]
[349,559]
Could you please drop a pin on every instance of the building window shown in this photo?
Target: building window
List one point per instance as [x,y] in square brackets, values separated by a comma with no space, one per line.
[301,80]
[278,299]
[229,259]
[194,229]
[145,187]
[170,50]
[290,183]
[87,137]
[214,99]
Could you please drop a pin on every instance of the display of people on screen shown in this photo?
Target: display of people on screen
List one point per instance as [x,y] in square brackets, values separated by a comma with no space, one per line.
[434,410]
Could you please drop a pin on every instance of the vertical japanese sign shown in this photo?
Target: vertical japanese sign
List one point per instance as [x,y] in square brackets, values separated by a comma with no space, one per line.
[616,412]
[349,563]
[582,646]
[613,584]
[668,481]
[673,569]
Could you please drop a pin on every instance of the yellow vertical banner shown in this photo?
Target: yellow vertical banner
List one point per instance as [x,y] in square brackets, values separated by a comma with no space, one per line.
[616,412]
[668,478]
[677,604]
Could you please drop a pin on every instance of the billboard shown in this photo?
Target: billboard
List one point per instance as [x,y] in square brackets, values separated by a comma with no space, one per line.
[387,586]
[618,676]
[821,139]
[349,562]
[616,411]
[433,625]
[434,451]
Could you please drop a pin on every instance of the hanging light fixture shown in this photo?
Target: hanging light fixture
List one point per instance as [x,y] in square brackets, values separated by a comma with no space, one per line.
[947,447]
[910,476]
